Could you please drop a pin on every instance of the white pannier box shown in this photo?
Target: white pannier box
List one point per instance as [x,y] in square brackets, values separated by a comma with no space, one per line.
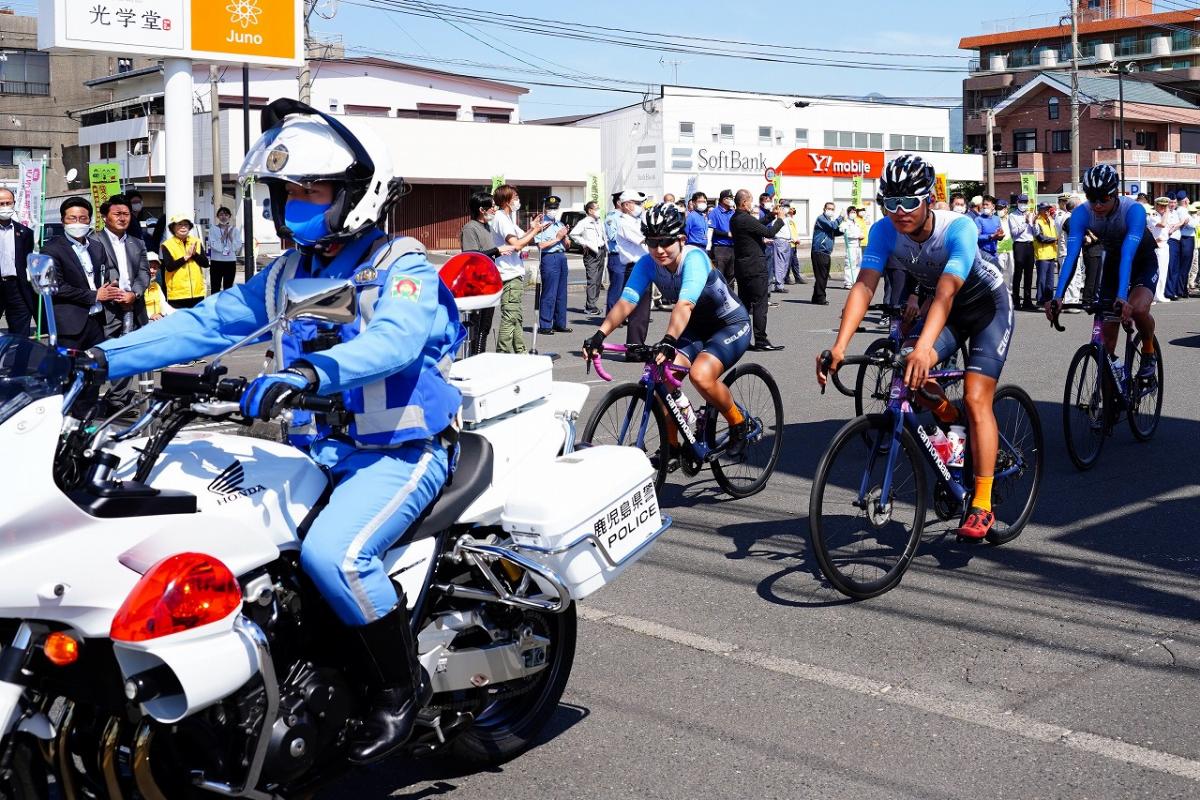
[587,515]
[493,384]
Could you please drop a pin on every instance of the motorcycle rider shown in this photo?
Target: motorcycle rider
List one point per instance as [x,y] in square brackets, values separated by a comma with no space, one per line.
[330,191]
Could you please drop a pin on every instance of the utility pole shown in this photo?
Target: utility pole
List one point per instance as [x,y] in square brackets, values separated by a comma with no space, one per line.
[990,164]
[305,73]
[215,110]
[1121,103]
[249,267]
[1075,93]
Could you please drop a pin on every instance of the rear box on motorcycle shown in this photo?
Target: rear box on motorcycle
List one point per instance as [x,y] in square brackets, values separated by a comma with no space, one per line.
[587,515]
[493,384]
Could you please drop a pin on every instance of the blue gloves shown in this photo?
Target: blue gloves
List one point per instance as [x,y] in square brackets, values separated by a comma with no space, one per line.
[267,393]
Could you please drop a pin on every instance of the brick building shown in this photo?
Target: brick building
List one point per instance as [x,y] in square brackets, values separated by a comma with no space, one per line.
[1033,129]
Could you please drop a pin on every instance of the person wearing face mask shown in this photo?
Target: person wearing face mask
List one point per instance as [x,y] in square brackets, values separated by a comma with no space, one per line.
[552,243]
[958,204]
[17,299]
[136,206]
[476,236]
[224,244]
[183,262]
[696,227]
[505,230]
[1021,227]
[825,232]
[83,270]
[991,231]
[631,244]
[853,232]
[722,240]
[588,233]
[390,453]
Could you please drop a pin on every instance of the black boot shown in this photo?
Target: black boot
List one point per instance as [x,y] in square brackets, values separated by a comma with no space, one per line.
[400,688]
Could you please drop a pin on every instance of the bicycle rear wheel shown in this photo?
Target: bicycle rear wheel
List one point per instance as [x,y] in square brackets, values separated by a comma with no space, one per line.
[757,395]
[1085,400]
[619,418]
[1018,463]
[1146,408]
[865,547]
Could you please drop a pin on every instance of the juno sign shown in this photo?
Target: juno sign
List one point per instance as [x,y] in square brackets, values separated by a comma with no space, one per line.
[267,32]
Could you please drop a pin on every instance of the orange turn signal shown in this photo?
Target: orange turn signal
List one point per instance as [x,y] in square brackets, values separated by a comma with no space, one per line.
[61,649]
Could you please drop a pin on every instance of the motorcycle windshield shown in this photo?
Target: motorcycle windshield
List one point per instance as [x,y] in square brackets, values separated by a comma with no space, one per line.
[29,371]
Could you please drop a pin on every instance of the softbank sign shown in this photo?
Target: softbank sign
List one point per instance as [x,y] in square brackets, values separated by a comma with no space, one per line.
[832,164]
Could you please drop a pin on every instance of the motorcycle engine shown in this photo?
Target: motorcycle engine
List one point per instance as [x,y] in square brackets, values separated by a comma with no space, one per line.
[314,706]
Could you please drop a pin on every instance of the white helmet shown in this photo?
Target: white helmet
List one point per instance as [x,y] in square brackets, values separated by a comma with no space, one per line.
[302,145]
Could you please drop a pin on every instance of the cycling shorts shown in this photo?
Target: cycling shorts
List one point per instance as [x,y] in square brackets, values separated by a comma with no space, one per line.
[1143,273]
[986,328]
[727,344]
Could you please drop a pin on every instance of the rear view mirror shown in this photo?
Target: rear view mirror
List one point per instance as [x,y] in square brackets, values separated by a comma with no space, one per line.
[323,299]
[43,273]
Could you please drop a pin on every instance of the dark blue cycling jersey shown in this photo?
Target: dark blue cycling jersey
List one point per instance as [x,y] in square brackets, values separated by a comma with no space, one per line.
[1123,229]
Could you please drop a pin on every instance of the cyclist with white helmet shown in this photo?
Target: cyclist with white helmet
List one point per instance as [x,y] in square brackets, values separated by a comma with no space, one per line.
[709,329]
[388,456]
[1130,271]
[939,252]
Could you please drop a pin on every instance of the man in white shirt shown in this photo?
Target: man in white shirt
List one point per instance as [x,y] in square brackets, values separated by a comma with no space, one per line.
[1158,222]
[82,269]
[132,271]
[17,302]
[631,245]
[589,234]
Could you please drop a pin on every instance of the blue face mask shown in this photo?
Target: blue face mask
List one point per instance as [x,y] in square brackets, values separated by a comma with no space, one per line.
[306,220]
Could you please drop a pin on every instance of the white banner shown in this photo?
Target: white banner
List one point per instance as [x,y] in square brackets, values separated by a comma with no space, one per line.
[29,195]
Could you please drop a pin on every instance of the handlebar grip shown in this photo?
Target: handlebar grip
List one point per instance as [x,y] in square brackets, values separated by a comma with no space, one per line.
[841,387]
[306,401]
[596,362]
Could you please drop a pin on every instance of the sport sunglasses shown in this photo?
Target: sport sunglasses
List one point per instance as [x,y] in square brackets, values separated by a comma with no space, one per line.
[662,243]
[1099,197]
[905,204]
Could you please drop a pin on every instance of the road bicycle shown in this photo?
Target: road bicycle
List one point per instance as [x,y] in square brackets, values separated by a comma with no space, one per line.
[635,414]
[872,382]
[1099,390]
[870,493]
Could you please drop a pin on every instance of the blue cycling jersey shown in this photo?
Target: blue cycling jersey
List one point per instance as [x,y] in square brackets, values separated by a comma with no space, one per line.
[1121,230]
[952,249]
[696,281]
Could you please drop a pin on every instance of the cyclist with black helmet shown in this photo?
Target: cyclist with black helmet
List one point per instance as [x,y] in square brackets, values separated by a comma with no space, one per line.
[939,252]
[1119,222]
[709,329]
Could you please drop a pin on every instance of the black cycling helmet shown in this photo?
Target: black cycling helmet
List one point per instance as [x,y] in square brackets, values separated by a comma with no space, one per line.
[906,176]
[663,221]
[1101,182]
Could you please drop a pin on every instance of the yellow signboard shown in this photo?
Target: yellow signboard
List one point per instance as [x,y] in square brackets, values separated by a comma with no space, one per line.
[1029,186]
[105,180]
[941,190]
[856,189]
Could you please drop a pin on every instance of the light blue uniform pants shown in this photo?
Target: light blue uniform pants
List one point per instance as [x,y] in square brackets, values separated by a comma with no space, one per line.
[377,495]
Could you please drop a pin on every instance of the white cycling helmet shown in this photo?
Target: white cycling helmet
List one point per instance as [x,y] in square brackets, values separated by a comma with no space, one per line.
[302,145]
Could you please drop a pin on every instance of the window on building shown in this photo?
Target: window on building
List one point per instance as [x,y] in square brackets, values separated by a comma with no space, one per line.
[124,65]
[1146,139]
[687,130]
[25,72]
[910,142]
[845,138]
[861,140]
[1060,141]
[895,142]
[367,111]
[726,132]
[831,138]
[108,149]
[651,164]
[923,143]
[1025,141]
[1052,107]
[1189,140]
[801,137]
[15,155]
[939,144]
[1182,40]
[140,147]
[333,105]
[427,113]
[1127,45]
[764,134]
[492,115]
[1185,63]
[875,141]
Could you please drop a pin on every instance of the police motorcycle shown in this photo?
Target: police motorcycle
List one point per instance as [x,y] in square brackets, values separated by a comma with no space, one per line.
[158,637]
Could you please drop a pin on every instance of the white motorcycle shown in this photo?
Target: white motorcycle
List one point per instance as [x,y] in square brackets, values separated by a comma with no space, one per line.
[159,638]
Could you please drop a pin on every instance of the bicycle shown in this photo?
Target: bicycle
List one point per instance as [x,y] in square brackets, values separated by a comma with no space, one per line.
[1098,392]
[624,414]
[857,508]
[872,382]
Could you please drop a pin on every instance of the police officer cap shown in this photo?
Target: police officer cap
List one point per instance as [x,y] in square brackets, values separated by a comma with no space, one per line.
[1162,201]
[629,194]
[726,193]
[553,201]
[1042,206]
[1001,204]
[1022,198]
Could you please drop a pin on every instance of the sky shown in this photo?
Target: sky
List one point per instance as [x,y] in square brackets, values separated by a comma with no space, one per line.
[930,27]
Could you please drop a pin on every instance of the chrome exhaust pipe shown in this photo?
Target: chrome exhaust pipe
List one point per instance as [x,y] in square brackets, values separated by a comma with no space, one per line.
[63,766]
[143,776]
[108,758]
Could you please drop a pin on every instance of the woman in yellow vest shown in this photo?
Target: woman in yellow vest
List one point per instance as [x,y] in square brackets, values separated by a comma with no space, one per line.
[157,306]
[1045,252]
[183,262]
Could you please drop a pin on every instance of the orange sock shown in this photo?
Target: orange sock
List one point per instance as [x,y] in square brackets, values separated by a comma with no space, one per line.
[733,415]
[983,492]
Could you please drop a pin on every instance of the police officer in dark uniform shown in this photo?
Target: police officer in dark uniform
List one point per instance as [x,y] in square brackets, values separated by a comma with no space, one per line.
[552,242]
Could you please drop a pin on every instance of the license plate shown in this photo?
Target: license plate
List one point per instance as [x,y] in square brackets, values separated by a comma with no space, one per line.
[627,523]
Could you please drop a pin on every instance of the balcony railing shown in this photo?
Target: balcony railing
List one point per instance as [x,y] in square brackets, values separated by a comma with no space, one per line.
[1046,20]
[1146,158]
[24,88]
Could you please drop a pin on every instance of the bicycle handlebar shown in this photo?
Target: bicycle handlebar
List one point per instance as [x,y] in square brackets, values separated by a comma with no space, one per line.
[636,352]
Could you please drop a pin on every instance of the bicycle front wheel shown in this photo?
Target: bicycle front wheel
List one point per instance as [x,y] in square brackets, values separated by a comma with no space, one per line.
[1084,402]
[873,383]
[1018,463]
[1146,408]
[757,395]
[622,419]
[864,540]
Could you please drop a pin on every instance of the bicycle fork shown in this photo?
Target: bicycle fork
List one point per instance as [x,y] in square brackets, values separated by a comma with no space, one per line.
[882,509]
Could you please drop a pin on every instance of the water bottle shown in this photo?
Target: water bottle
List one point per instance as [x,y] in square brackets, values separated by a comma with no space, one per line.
[1118,368]
[941,444]
[685,409]
[958,451]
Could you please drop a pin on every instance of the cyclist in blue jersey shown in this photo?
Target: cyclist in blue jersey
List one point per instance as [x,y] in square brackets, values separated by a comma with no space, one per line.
[939,251]
[709,329]
[1119,222]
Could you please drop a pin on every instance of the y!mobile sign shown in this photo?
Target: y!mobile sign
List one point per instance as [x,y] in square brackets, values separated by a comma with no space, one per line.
[832,164]
[238,31]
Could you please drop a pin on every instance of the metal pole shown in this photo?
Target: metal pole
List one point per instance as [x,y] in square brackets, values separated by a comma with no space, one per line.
[1075,93]
[1121,101]
[179,171]
[248,201]
[990,164]
[215,111]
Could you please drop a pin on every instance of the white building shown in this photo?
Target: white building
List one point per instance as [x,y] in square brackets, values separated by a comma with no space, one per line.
[707,139]
[448,135]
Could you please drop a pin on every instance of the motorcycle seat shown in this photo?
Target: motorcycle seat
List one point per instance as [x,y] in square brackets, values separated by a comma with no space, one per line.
[472,476]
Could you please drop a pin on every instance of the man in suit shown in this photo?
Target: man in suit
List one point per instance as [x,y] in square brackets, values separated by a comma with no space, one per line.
[83,278]
[750,264]
[127,266]
[17,301]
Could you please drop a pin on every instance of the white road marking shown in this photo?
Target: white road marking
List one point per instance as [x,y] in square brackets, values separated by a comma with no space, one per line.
[1006,722]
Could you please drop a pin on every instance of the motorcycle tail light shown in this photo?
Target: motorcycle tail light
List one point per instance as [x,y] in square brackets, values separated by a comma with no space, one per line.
[61,649]
[181,592]
[471,275]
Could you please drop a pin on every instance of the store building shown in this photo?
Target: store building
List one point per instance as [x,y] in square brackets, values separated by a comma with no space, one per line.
[689,138]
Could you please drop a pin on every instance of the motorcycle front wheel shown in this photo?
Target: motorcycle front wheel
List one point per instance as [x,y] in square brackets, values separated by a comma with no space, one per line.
[510,725]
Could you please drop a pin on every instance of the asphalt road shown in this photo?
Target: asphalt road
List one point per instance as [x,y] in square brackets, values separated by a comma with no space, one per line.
[1062,665]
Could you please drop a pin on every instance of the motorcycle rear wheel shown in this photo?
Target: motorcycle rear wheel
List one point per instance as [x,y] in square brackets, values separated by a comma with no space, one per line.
[510,726]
